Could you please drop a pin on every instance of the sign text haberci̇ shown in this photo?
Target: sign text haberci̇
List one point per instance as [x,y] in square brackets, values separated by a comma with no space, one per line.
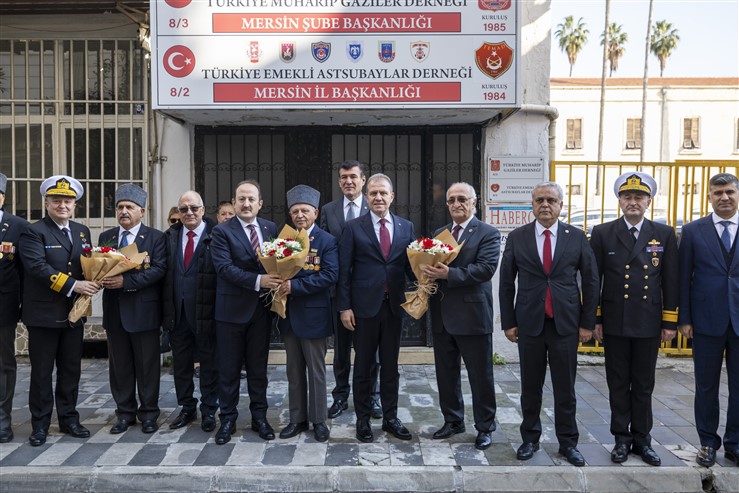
[334,53]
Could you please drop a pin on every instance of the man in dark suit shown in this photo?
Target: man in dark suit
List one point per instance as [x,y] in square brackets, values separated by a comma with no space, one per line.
[549,315]
[243,320]
[334,215]
[50,251]
[709,313]
[637,264]
[189,307]
[132,314]
[11,274]
[462,318]
[372,269]
[309,318]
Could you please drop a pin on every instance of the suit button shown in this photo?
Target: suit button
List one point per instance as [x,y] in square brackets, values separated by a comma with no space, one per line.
[69,263]
[628,267]
[69,273]
[645,267]
[646,287]
[626,286]
[644,298]
[646,277]
[626,296]
[626,276]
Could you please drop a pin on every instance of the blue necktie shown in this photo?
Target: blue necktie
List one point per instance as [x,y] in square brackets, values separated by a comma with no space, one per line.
[124,239]
[725,236]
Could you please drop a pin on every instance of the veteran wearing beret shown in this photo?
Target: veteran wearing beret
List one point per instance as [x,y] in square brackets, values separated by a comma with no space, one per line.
[11,274]
[132,314]
[309,318]
[50,251]
[637,263]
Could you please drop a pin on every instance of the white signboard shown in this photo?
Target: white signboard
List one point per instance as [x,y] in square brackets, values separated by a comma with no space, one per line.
[512,179]
[509,217]
[334,54]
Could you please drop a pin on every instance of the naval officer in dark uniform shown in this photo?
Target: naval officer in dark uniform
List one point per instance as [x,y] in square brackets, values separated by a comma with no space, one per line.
[50,250]
[637,264]
[11,273]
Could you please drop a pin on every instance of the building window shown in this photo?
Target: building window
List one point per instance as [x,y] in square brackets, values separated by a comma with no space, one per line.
[574,133]
[633,133]
[691,133]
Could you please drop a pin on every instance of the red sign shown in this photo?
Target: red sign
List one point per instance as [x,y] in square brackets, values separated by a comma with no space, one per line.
[441,22]
[337,92]
[494,59]
[179,61]
[178,4]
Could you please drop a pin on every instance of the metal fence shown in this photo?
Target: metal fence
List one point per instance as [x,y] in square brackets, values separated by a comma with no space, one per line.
[682,196]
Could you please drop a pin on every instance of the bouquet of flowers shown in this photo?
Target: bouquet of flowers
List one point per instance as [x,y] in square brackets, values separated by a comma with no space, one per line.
[101,262]
[285,257]
[427,251]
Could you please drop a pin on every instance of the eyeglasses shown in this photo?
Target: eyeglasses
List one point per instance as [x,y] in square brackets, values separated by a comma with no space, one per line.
[173,221]
[461,199]
[193,208]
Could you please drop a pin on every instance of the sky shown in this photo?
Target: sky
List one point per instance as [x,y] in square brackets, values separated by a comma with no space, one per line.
[708,30]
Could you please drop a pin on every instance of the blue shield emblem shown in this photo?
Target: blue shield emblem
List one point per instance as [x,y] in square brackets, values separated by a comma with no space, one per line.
[354,50]
[321,51]
[386,51]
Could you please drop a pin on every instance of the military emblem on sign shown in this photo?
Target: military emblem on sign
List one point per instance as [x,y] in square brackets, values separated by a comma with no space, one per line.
[321,51]
[287,52]
[494,4]
[420,50]
[495,187]
[386,51]
[354,50]
[495,165]
[494,59]
[255,53]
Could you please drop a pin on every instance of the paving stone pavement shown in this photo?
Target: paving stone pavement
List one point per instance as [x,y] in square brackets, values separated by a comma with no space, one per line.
[674,435]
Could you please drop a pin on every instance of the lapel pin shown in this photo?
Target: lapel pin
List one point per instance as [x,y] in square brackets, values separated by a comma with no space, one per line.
[567,231]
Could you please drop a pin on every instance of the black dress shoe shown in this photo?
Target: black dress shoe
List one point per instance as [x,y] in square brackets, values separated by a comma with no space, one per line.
[320,432]
[338,407]
[706,456]
[149,426]
[376,412]
[224,433]
[483,440]
[121,426]
[208,423]
[526,450]
[395,427]
[6,434]
[647,454]
[573,456]
[38,437]
[449,429]
[76,430]
[263,428]
[620,453]
[364,431]
[184,419]
[731,453]
[293,429]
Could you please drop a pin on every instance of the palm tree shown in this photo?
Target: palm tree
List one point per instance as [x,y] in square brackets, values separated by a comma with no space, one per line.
[664,39]
[616,41]
[572,38]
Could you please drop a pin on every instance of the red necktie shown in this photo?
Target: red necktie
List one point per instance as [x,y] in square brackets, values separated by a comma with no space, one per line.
[455,232]
[189,248]
[547,254]
[384,239]
[253,238]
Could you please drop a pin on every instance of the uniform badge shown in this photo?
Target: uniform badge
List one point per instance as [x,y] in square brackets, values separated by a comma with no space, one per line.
[147,262]
[655,261]
[321,51]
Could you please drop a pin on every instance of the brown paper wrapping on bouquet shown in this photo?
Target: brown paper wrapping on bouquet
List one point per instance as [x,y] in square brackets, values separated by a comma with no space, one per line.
[417,302]
[286,267]
[100,265]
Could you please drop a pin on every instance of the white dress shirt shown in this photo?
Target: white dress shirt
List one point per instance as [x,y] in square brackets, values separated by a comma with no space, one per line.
[195,239]
[540,238]
[134,233]
[357,206]
[720,227]
[389,225]
[637,226]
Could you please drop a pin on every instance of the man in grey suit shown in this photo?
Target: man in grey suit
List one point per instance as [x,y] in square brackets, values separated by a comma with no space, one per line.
[333,217]
[551,314]
[462,318]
